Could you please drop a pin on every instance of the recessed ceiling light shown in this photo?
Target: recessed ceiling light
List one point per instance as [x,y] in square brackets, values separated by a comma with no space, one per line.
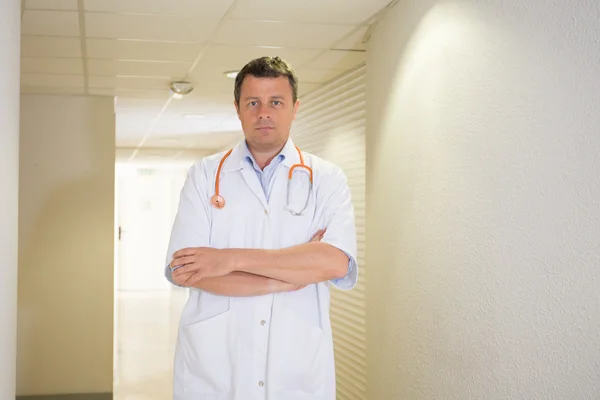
[231,74]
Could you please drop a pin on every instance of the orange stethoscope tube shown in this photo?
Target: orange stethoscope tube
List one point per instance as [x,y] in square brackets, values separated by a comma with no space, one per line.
[218,201]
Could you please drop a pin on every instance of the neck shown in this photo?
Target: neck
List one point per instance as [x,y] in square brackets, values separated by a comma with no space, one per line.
[264,157]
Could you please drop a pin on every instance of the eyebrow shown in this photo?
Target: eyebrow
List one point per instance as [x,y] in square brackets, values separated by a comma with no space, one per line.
[258,98]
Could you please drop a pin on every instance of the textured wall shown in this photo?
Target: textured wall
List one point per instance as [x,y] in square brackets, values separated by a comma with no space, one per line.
[483,193]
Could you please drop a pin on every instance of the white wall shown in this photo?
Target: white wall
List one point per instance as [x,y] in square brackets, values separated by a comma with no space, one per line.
[483,188]
[10,28]
[66,241]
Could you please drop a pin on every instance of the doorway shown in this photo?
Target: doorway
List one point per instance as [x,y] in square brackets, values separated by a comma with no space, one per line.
[147,307]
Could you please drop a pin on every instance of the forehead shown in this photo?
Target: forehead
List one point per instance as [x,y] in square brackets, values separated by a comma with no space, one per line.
[255,86]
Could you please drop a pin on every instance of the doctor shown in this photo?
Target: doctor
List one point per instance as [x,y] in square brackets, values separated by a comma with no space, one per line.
[259,249]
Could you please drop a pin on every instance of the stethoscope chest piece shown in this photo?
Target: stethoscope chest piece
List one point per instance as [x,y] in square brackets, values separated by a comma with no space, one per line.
[217,201]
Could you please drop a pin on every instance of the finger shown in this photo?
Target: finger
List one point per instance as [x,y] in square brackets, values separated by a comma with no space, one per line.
[193,278]
[181,261]
[182,278]
[184,252]
[318,234]
[185,269]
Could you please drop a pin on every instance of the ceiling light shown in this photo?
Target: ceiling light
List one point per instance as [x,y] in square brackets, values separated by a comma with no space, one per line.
[181,88]
[231,74]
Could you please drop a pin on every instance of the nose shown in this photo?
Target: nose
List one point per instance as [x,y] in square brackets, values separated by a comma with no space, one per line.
[263,112]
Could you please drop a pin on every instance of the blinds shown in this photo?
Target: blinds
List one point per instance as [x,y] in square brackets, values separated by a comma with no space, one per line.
[331,125]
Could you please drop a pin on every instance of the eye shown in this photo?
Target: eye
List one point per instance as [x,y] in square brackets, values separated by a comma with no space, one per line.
[253,103]
[276,102]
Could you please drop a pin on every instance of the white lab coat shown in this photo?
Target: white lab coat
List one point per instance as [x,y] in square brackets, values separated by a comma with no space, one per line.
[277,346]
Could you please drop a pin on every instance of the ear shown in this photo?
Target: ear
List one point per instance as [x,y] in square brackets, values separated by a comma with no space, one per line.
[296,107]
[237,108]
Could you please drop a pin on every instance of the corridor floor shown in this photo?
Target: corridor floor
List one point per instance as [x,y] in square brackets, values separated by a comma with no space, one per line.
[145,334]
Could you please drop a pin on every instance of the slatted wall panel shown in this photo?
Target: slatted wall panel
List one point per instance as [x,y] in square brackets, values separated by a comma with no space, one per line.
[331,124]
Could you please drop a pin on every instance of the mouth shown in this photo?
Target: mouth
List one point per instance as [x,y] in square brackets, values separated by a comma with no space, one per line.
[264,128]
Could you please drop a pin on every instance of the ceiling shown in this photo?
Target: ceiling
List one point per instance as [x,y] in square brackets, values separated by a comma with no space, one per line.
[133,49]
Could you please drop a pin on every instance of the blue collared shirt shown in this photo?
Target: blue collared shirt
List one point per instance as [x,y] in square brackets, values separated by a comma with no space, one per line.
[264,176]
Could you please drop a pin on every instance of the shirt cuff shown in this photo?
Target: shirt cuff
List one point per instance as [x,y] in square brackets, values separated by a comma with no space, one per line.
[348,281]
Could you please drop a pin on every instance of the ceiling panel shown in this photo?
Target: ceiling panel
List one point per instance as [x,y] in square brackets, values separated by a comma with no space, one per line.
[339,59]
[328,12]
[207,9]
[52,65]
[128,82]
[133,94]
[221,58]
[133,124]
[212,85]
[198,106]
[135,48]
[51,90]
[130,104]
[139,68]
[148,27]
[142,50]
[317,75]
[170,126]
[50,80]
[38,46]
[129,143]
[53,23]
[269,33]
[169,142]
[354,41]
[229,125]
[50,4]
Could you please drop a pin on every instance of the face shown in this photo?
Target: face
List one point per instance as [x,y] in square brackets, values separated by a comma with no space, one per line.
[266,111]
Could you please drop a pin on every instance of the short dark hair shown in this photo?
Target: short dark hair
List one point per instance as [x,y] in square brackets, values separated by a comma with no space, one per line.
[266,67]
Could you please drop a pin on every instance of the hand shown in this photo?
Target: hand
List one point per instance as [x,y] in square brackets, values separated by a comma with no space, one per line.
[190,265]
[318,235]
[315,238]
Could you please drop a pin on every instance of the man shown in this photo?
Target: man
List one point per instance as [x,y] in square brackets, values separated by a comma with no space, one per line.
[258,262]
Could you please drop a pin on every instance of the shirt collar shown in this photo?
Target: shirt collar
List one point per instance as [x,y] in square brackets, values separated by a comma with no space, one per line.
[241,154]
[248,157]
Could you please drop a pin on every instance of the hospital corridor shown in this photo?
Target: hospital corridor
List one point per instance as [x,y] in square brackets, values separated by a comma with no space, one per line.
[294,200]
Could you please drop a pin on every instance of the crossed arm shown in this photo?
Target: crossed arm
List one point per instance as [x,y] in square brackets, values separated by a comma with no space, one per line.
[251,272]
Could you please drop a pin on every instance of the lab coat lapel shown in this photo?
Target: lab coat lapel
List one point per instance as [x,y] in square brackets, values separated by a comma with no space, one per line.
[237,165]
[252,181]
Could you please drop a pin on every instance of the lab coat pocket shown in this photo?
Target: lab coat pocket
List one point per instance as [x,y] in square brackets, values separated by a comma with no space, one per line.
[209,351]
[296,357]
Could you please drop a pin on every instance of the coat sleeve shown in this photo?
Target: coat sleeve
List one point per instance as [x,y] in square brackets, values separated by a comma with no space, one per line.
[191,227]
[341,229]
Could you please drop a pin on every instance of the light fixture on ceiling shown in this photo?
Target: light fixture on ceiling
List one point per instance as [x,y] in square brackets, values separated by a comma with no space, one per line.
[181,88]
[231,74]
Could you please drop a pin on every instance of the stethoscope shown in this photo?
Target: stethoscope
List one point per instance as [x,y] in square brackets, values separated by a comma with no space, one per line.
[219,202]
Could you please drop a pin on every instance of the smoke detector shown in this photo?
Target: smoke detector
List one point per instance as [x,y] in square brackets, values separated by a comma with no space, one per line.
[181,88]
